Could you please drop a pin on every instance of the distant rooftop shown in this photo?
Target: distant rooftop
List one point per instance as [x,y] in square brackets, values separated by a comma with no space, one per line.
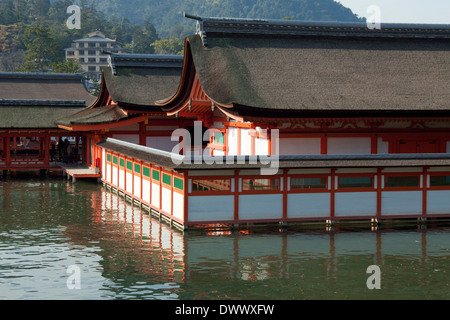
[129,60]
[96,36]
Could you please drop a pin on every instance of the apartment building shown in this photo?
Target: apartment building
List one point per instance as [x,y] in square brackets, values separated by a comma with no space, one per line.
[90,53]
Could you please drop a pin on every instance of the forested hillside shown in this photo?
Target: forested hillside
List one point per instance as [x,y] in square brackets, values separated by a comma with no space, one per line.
[167,15]
[33,33]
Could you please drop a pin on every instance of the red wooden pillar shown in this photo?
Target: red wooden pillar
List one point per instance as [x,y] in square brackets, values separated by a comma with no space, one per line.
[7,150]
[142,137]
[424,191]
[323,144]
[46,141]
[236,196]
[379,191]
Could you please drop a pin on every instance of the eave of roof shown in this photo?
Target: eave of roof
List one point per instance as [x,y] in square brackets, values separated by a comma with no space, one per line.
[337,67]
[179,162]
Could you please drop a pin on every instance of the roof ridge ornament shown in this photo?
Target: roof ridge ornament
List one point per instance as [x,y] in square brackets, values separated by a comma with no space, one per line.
[199,30]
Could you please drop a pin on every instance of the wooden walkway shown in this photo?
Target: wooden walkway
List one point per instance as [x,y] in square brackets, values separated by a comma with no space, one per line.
[80,171]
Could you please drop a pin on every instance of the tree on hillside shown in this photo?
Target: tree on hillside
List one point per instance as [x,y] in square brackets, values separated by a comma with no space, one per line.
[168,46]
[41,50]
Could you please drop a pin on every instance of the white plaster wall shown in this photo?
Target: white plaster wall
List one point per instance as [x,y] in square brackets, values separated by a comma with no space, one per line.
[121,179]
[129,182]
[261,146]
[232,140]
[137,186]
[261,206]
[108,172]
[299,146]
[246,142]
[349,204]
[155,195]
[146,191]
[349,145]
[401,202]
[438,202]
[382,146]
[308,205]
[114,176]
[166,199]
[210,208]
[178,205]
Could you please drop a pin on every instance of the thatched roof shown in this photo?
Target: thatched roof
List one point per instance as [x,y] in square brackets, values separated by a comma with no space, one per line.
[104,114]
[37,100]
[32,114]
[292,66]
[138,80]
[44,86]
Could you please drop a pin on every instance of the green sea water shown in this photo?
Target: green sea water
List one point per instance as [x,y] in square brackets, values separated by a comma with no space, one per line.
[60,240]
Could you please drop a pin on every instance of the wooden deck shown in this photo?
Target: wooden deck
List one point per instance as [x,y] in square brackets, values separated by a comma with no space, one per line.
[80,171]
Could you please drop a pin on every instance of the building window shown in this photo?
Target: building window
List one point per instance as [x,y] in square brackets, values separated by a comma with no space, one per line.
[355,182]
[103,60]
[155,175]
[103,44]
[214,185]
[91,52]
[81,52]
[91,60]
[309,183]
[260,184]
[91,68]
[81,59]
[91,45]
[403,181]
[439,181]
[70,53]
[167,179]
[146,171]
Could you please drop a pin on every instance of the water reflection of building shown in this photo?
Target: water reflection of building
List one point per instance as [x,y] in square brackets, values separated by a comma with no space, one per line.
[263,256]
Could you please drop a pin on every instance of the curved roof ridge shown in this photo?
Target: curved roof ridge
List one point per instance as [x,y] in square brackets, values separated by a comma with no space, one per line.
[265,27]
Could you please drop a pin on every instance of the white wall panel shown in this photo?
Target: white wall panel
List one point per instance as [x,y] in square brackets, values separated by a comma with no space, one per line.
[348,145]
[401,202]
[178,205]
[308,205]
[166,200]
[155,195]
[208,208]
[355,204]
[299,146]
[438,202]
[146,191]
[137,186]
[261,206]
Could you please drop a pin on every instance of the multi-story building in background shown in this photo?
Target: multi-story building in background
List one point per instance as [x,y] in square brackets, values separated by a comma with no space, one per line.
[90,53]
